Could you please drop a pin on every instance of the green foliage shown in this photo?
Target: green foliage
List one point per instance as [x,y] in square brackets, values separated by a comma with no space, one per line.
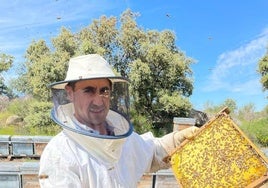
[149,58]
[99,37]
[212,109]
[257,131]
[10,130]
[174,104]
[263,70]
[39,114]
[3,87]
[247,113]
[65,43]
[264,112]
[38,120]
[141,123]
[3,117]
[21,130]
[36,116]
[42,68]
[160,78]
[50,130]
[31,80]
[160,75]
[20,106]
[6,62]
[4,101]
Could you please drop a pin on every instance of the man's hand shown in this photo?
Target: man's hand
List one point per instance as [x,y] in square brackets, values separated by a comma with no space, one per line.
[172,140]
[188,133]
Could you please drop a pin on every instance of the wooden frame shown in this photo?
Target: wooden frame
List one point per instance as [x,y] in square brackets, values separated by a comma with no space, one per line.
[219,155]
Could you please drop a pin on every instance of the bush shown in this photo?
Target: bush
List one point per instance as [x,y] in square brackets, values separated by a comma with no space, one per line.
[3,102]
[38,121]
[141,124]
[50,130]
[257,131]
[3,117]
[36,117]
[20,106]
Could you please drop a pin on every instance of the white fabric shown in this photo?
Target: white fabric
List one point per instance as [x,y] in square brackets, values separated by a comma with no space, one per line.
[106,150]
[66,117]
[88,66]
[83,67]
[68,165]
[74,160]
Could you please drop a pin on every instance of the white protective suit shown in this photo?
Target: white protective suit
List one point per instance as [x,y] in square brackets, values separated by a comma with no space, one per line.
[73,160]
[79,157]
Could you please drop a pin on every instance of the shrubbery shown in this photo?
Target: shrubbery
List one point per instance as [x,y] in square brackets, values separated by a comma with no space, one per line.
[36,116]
[257,131]
[141,123]
[37,121]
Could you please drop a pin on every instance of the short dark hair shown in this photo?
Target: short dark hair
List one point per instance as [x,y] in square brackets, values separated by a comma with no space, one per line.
[71,84]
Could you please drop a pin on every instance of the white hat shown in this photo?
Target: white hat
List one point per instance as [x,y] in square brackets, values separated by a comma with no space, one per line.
[87,67]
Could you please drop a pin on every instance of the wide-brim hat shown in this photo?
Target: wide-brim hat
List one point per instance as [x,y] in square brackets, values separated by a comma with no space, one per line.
[86,67]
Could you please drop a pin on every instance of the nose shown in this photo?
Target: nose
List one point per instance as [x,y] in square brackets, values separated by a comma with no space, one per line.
[98,100]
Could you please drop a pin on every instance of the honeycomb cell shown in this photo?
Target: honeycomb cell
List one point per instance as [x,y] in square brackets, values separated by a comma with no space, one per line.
[220,155]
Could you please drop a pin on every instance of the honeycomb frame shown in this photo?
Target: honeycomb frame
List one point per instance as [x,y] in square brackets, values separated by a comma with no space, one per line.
[219,155]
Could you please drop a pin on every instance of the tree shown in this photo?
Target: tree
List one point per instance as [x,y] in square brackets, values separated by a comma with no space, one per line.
[160,72]
[31,80]
[214,109]
[6,62]
[65,43]
[263,70]
[247,112]
[44,67]
[231,104]
[160,79]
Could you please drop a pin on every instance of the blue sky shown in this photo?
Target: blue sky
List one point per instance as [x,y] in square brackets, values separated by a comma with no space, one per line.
[226,38]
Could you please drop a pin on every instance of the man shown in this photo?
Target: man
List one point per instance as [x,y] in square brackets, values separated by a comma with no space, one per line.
[98,147]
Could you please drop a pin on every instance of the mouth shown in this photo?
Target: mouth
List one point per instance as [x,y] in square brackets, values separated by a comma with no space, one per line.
[96,110]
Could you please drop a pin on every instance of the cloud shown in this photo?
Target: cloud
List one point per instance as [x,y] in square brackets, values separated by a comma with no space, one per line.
[236,71]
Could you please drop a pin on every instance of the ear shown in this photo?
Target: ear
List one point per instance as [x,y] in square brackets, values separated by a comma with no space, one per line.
[69,91]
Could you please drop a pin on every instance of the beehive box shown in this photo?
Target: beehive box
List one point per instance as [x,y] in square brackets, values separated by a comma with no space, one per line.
[22,145]
[29,174]
[220,155]
[182,123]
[4,145]
[9,175]
[40,143]
[9,180]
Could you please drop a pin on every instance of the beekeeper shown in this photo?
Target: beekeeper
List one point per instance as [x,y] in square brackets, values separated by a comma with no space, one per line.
[97,147]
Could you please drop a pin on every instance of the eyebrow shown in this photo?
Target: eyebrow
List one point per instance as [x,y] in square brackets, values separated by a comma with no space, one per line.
[89,87]
[92,87]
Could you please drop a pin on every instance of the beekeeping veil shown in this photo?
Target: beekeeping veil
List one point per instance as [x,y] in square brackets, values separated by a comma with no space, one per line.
[88,67]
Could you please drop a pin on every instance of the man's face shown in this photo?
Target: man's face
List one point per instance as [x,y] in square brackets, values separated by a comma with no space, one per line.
[91,100]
